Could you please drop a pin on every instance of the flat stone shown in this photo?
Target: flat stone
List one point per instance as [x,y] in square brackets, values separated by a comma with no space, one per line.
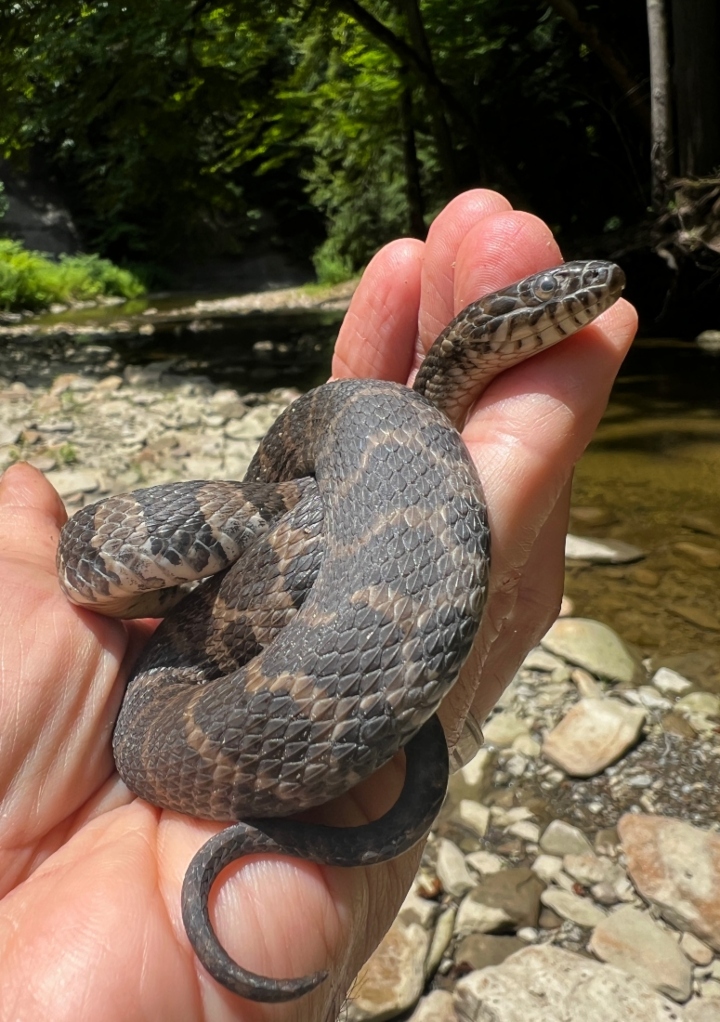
[451,869]
[647,696]
[475,779]
[591,869]
[592,515]
[485,863]
[630,940]
[696,615]
[392,981]
[254,425]
[506,900]
[472,815]
[441,937]
[593,734]
[547,867]
[502,729]
[527,745]
[479,950]
[676,867]
[670,683]
[606,551]
[705,556]
[701,1010]
[42,462]
[560,838]
[594,646]
[526,830]
[67,482]
[539,659]
[708,524]
[571,906]
[696,950]
[587,686]
[9,434]
[416,909]
[436,1007]
[548,984]
[709,340]
[705,703]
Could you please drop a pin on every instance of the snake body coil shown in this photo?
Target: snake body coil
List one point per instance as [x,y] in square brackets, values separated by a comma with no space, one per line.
[360,554]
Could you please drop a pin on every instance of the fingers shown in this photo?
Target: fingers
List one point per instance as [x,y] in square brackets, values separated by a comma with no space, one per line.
[377,337]
[410,291]
[31,515]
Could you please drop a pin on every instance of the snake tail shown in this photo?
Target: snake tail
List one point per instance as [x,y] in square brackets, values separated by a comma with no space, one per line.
[406,823]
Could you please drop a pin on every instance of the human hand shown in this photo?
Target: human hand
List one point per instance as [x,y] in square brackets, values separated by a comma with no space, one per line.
[90,914]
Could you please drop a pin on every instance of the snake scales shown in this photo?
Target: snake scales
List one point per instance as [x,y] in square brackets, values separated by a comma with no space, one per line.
[349,573]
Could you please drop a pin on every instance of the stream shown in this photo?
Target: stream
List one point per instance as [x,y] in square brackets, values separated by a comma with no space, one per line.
[649,477]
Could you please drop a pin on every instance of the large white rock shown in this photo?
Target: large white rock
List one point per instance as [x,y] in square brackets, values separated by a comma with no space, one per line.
[593,734]
[548,984]
[677,867]
[631,940]
[594,646]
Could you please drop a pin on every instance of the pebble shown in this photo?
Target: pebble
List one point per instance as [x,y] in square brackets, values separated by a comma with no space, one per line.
[700,1011]
[560,838]
[707,557]
[472,815]
[479,950]
[548,867]
[696,950]
[571,906]
[502,729]
[606,551]
[393,979]
[670,683]
[451,869]
[525,830]
[441,937]
[149,426]
[593,734]
[630,940]
[485,863]
[70,482]
[549,984]
[594,646]
[539,659]
[504,900]
[647,696]
[436,1007]
[587,686]
[475,779]
[676,867]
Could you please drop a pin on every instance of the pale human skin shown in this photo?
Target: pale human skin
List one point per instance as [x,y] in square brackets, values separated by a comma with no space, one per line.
[90,877]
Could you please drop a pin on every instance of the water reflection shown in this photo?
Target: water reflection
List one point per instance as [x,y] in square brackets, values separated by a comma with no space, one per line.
[650,477]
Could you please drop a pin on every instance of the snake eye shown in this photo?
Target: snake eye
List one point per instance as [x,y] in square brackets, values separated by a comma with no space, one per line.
[544,286]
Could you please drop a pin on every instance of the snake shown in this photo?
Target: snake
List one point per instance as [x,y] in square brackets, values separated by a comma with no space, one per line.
[315,614]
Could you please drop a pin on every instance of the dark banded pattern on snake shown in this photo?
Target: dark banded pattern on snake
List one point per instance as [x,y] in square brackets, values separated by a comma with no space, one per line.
[364,514]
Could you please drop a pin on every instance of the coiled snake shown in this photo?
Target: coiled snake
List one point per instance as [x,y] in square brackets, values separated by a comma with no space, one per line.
[329,644]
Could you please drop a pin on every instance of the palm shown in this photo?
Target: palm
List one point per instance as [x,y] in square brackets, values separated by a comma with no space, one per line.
[90,919]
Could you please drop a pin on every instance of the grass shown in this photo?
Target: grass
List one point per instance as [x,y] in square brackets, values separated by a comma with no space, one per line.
[31,280]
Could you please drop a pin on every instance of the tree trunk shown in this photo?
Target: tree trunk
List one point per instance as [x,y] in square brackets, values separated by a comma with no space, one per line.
[413,188]
[441,131]
[696,46]
[661,153]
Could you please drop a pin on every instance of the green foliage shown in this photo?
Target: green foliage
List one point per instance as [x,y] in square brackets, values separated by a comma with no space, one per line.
[3,201]
[30,280]
[179,128]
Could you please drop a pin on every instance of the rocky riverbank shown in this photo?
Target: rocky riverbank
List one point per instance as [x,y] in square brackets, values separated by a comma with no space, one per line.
[575,870]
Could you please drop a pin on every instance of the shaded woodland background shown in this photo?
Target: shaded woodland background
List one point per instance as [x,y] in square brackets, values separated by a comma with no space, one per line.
[177,132]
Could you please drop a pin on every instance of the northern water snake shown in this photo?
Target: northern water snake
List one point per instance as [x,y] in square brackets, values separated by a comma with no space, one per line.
[328,645]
